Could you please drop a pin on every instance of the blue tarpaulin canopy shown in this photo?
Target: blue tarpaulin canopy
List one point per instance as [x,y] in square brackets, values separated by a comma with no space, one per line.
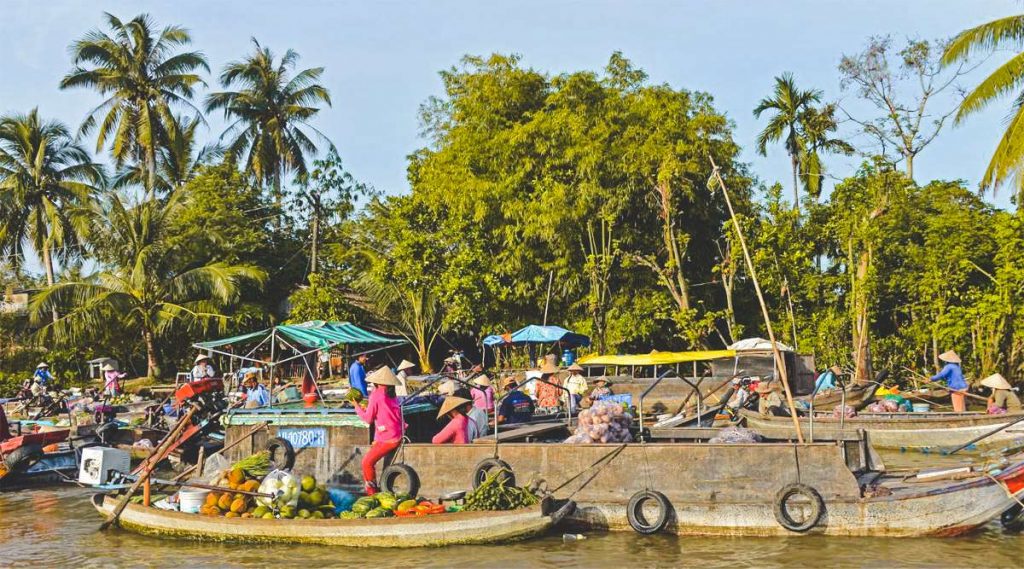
[534,334]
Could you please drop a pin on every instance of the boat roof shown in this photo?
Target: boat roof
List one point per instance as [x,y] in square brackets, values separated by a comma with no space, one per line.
[656,358]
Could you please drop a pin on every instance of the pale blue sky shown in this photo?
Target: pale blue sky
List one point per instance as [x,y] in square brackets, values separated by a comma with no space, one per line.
[382,58]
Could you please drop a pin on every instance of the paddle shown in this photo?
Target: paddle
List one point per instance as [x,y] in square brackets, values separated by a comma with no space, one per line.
[987,435]
[965,393]
[157,457]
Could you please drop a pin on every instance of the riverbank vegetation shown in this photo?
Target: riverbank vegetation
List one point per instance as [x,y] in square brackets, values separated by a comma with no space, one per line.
[583,196]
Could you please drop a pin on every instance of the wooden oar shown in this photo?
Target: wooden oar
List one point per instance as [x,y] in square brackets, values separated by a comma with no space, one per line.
[965,393]
[987,435]
[157,456]
[256,428]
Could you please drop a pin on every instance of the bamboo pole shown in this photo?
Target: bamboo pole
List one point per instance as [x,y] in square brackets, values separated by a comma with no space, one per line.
[779,362]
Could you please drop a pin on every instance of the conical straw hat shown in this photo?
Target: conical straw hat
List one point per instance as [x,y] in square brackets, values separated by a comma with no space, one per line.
[950,357]
[201,357]
[406,364]
[446,387]
[383,376]
[549,368]
[451,403]
[108,367]
[482,381]
[996,381]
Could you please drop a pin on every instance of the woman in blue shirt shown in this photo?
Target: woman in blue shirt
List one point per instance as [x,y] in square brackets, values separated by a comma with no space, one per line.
[954,378]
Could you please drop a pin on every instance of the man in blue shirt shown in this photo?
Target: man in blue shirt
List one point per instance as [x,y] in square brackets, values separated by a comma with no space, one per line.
[516,407]
[827,380]
[954,378]
[357,374]
[42,374]
[255,394]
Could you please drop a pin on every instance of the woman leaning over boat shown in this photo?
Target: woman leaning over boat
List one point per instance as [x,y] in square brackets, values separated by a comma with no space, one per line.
[384,415]
[954,378]
[1003,399]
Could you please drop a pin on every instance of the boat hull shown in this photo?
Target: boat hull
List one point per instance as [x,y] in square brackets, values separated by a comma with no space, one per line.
[432,531]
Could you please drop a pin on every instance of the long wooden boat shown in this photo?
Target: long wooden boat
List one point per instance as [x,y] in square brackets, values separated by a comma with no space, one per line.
[857,396]
[430,531]
[920,431]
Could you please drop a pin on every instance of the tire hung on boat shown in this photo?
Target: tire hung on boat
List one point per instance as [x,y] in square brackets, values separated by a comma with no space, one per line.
[390,476]
[803,492]
[282,453]
[637,516]
[21,458]
[1013,518]
[485,466]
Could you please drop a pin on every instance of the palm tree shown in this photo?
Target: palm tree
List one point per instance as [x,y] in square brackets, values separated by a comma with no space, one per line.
[1007,162]
[178,159]
[789,103]
[142,77]
[45,181]
[141,286]
[268,112]
[817,125]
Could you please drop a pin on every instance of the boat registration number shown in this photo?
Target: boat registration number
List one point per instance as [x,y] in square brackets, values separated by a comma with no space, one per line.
[305,438]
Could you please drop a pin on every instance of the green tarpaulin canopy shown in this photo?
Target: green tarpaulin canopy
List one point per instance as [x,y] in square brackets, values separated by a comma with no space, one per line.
[315,334]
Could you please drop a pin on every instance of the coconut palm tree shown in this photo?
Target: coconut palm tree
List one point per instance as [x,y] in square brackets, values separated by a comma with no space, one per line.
[178,159]
[1007,162]
[789,103]
[143,76]
[269,110]
[141,285]
[46,180]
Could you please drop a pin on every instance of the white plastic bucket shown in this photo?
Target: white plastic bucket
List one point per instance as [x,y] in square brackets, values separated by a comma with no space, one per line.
[922,407]
[191,500]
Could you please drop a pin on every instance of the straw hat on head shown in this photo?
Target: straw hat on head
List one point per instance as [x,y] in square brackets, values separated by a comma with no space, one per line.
[108,367]
[446,388]
[382,376]
[836,370]
[482,381]
[508,382]
[996,381]
[451,403]
[603,380]
[950,357]
[549,368]
[575,367]
[200,358]
[42,365]
[405,364]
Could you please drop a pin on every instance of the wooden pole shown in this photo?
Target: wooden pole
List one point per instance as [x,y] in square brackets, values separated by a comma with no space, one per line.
[779,362]
[547,299]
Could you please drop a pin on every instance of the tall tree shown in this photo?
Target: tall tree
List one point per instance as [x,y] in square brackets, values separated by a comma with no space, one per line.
[45,180]
[142,74]
[789,104]
[179,159]
[1007,161]
[268,112]
[819,124]
[142,285]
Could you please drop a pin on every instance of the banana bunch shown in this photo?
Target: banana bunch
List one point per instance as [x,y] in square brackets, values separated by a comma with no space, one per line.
[493,495]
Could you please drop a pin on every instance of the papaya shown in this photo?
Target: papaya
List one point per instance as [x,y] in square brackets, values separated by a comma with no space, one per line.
[238,505]
[246,515]
[224,502]
[236,476]
[231,515]
[251,485]
[211,498]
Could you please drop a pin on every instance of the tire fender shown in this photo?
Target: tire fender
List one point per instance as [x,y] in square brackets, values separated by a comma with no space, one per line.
[21,458]
[639,521]
[390,475]
[485,466]
[1013,519]
[787,493]
[282,453]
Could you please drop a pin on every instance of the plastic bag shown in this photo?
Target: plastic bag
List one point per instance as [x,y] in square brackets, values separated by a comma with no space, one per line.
[604,422]
[736,435]
[282,484]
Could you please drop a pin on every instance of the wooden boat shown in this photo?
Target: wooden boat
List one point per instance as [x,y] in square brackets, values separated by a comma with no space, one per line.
[922,431]
[430,531]
[858,395]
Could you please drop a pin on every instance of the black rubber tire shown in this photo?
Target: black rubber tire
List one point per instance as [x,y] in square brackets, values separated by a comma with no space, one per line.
[390,475]
[282,453]
[1013,519]
[635,512]
[782,513]
[485,466]
[21,458]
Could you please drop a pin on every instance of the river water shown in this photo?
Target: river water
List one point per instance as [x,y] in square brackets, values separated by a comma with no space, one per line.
[57,527]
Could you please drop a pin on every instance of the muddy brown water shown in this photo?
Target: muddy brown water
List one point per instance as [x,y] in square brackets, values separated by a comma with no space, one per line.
[57,527]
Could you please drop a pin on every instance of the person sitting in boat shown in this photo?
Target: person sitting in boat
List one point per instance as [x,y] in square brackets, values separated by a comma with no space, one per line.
[457,429]
[771,403]
[1003,399]
[483,394]
[827,379]
[384,415]
[478,418]
[402,374]
[202,368]
[603,389]
[548,392]
[576,385]
[255,394]
[954,378]
[42,376]
[516,407]
[112,380]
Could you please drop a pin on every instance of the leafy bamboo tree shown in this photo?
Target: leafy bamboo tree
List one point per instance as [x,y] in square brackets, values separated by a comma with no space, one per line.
[142,285]
[268,112]
[789,104]
[1008,160]
[143,76]
[45,178]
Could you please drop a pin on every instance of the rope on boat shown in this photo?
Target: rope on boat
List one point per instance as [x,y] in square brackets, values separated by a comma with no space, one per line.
[606,459]
[1006,489]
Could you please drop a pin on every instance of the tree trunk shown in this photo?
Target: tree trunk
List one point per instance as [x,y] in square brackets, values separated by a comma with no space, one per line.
[910,165]
[861,329]
[277,196]
[152,365]
[151,170]
[796,181]
[48,262]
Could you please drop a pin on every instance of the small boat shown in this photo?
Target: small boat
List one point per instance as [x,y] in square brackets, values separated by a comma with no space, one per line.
[900,431]
[455,528]
[25,462]
[857,395]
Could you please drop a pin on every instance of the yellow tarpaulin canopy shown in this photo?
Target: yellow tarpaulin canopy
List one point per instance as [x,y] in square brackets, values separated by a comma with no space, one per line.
[655,358]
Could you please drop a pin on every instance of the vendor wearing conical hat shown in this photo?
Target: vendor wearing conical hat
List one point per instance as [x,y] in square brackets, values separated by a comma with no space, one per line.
[771,403]
[42,376]
[547,391]
[202,369]
[954,378]
[483,393]
[1003,399]
[576,385]
[111,379]
[384,415]
[457,429]
[404,369]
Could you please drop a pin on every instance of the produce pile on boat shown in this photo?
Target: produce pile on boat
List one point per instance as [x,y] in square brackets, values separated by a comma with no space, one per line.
[844,410]
[386,505]
[495,494]
[604,422]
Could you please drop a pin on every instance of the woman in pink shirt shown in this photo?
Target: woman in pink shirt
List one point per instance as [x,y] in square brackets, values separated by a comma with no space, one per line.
[384,415]
[457,430]
[483,394]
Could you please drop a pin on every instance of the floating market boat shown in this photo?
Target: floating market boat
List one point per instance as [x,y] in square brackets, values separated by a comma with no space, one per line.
[922,431]
[454,528]
[856,395]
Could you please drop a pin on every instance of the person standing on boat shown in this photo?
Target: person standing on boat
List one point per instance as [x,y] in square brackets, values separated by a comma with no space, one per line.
[576,385]
[384,415]
[111,380]
[827,379]
[1003,399]
[202,369]
[357,374]
[42,376]
[516,406]
[954,378]
[548,391]
[256,395]
[483,394]
[403,368]
[457,429]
